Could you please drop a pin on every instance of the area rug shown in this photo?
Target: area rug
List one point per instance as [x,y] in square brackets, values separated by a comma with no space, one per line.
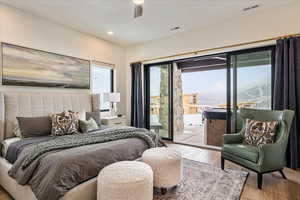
[207,182]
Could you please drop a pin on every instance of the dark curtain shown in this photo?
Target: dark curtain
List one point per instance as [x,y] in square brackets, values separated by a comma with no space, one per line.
[137,108]
[287,91]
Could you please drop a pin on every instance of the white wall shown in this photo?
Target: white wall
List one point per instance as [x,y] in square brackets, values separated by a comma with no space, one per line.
[21,28]
[254,26]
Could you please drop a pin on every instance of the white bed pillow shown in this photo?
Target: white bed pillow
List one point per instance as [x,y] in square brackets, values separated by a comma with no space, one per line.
[5,144]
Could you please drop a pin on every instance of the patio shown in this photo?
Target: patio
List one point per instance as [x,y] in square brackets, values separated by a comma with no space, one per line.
[191,135]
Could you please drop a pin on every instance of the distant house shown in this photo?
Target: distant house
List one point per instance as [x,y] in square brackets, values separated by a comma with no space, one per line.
[191,103]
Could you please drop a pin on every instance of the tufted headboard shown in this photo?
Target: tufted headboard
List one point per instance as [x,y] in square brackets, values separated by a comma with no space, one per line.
[34,104]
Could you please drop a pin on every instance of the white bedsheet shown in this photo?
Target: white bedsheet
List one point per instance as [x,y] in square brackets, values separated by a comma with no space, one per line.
[5,144]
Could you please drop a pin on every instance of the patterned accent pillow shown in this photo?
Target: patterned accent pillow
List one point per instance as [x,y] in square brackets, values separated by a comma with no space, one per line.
[259,133]
[88,126]
[16,130]
[65,123]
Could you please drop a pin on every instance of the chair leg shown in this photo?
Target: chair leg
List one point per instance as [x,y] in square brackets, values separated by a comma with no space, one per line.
[259,180]
[222,163]
[175,187]
[163,191]
[282,174]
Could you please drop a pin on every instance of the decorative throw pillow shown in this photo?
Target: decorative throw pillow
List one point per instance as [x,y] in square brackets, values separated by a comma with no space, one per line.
[258,132]
[16,130]
[95,115]
[65,123]
[88,126]
[34,126]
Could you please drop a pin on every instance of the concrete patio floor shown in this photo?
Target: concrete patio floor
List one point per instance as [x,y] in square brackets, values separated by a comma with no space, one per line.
[193,135]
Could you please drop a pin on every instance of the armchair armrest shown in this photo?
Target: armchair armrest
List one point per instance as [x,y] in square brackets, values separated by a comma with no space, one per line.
[271,156]
[234,138]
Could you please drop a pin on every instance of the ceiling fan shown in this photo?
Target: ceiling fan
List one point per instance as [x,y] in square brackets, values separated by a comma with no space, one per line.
[138,8]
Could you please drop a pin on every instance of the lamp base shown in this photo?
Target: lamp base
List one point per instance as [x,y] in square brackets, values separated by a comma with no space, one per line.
[113,109]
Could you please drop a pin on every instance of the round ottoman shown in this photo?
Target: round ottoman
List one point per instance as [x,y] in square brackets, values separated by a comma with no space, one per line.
[126,180]
[166,165]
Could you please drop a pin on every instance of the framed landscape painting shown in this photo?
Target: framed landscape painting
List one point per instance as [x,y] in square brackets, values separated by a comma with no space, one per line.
[29,67]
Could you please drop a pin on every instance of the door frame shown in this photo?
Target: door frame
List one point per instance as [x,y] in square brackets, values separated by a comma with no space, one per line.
[170,99]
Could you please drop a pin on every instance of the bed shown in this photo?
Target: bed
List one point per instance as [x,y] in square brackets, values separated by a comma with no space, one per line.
[33,104]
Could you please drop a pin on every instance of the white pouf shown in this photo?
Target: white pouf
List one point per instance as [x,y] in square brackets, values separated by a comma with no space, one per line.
[166,165]
[126,180]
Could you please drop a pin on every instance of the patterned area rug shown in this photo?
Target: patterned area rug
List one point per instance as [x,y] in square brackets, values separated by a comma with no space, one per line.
[203,181]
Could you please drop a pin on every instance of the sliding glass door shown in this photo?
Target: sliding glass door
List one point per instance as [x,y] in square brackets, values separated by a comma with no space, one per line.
[251,81]
[158,103]
[247,74]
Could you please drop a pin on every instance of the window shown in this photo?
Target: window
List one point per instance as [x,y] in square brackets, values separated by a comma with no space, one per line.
[102,81]
[251,80]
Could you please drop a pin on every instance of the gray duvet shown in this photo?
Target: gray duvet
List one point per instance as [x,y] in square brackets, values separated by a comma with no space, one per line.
[58,169]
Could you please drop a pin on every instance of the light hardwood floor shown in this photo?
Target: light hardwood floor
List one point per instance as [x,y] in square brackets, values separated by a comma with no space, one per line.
[274,186]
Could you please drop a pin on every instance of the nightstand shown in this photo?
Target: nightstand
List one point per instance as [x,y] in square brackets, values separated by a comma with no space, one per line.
[114,121]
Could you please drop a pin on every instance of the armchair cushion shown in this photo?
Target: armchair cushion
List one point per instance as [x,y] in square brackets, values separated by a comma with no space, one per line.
[244,151]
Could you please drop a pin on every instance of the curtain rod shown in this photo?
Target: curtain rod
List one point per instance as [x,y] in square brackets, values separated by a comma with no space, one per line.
[218,48]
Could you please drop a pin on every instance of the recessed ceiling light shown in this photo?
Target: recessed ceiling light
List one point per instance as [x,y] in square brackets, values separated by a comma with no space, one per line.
[138,2]
[110,32]
[251,7]
[175,28]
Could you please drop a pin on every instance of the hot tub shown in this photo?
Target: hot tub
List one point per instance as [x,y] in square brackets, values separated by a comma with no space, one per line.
[214,126]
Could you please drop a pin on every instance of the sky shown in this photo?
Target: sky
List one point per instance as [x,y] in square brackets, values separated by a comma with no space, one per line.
[214,81]
[212,84]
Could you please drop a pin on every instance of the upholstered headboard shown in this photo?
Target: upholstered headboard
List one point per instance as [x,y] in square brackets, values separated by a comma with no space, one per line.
[34,104]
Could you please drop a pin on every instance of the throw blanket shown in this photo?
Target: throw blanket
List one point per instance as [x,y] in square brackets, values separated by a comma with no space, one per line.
[54,167]
[70,141]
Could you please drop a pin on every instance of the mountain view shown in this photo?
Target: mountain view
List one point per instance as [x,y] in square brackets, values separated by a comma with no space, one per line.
[253,89]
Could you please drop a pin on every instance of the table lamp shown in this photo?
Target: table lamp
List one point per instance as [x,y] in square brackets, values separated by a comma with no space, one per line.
[113,98]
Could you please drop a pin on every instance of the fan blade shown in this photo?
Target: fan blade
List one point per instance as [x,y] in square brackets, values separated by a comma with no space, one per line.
[138,11]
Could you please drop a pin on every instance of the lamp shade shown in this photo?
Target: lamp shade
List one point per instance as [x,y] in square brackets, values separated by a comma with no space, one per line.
[111,97]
